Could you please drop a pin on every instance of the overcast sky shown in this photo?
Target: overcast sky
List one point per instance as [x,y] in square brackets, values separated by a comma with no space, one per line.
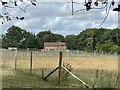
[56,16]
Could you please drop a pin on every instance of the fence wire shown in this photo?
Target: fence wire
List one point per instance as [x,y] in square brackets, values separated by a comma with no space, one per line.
[99,68]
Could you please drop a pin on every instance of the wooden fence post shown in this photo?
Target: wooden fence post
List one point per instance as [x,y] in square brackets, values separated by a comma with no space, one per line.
[3,57]
[15,63]
[60,67]
[31,63]
[15,59]
[42,73]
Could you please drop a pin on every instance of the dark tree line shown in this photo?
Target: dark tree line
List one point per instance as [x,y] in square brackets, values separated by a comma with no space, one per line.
[99,39]
[20,38]
[90,39]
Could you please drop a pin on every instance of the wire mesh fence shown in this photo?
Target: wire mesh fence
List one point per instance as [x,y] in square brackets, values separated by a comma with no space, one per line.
[96,69]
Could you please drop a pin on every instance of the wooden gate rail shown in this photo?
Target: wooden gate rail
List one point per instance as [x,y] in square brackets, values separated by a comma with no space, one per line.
[76,77]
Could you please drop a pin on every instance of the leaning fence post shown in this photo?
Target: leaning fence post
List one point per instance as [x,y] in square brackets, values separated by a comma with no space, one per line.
[60,67]
[31,63]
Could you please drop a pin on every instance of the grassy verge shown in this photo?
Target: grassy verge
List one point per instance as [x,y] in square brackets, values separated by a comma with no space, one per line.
[21,79]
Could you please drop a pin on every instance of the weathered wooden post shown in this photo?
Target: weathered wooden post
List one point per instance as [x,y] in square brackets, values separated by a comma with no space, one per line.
[3,57]
[43,73]
[15,60]
[31,63]
[60,67]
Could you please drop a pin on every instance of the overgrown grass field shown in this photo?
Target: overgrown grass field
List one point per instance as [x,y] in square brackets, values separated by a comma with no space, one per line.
[98,71]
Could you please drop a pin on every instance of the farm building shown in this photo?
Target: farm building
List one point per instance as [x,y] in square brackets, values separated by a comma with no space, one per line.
[12,48]
[54,46]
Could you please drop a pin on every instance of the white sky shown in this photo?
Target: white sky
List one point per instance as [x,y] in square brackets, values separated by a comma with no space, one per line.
[56,16]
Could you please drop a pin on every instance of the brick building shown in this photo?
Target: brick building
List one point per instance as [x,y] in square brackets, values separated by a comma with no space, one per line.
[54,46]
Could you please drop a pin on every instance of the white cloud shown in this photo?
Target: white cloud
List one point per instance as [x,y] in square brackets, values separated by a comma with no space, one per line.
[57,17]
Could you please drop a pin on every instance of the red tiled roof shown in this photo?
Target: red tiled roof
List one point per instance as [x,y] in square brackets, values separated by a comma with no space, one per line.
[54,43]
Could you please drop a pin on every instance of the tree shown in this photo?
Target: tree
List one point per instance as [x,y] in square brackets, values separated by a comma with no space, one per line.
[48,36]
[17,37]
[114,49]
[115,35]
[31,41]
[40,36]
[71,41]
[58,37]
[92,5]
[86,40]
[14,37]
[88,4]
[102,39]
[9,5]
[99,39]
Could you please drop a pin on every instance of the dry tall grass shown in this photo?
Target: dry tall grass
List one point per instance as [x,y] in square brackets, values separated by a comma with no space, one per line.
[84,66]
[109,63]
